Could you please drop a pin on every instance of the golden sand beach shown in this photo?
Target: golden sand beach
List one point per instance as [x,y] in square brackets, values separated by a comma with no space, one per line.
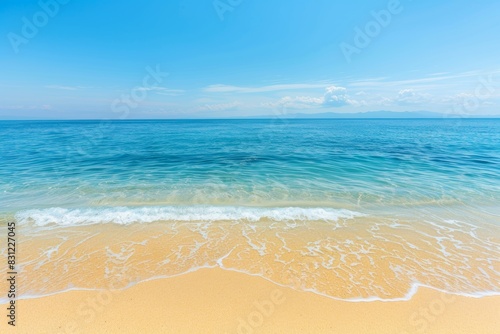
[188,277]
[220,301]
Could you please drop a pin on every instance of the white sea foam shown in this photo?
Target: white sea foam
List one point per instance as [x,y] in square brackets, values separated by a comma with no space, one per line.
[367,259]
[130,215]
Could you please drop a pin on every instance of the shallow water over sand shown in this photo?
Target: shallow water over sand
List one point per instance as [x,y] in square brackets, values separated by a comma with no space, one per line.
[351,209]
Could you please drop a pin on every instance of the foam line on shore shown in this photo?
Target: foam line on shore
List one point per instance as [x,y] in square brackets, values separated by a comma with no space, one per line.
[408,296]
[131,215]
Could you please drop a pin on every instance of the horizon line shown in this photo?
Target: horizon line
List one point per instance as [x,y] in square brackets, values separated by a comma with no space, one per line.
[242,118]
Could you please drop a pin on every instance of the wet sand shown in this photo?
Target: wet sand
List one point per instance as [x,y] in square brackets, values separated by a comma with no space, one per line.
[220,301]
[361,259]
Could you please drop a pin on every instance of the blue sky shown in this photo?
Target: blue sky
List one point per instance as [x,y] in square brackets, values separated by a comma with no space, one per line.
[107,59]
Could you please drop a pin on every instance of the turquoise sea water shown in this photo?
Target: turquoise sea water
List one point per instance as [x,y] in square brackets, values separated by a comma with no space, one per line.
[419,198]
[327,163]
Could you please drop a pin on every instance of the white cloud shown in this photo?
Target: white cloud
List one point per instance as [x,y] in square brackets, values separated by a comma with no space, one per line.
[334,96]
[63,87]
[271,88]
[27,107]
[410,96]
[161,90]
[405,94]
[296,102]
[432,78]
[219,106]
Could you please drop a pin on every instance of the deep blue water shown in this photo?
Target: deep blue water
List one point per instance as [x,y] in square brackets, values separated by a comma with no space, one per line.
[326,163]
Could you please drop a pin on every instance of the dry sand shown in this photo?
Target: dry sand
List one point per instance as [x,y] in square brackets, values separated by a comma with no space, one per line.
[219,301]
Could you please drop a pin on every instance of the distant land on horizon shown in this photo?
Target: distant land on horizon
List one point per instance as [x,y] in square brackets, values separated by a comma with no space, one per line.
[377,114]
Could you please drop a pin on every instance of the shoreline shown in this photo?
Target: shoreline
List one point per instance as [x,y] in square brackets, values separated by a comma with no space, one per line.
[223,301]
[414,290]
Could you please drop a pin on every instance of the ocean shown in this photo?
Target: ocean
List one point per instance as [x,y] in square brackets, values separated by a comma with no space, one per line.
[354,209]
